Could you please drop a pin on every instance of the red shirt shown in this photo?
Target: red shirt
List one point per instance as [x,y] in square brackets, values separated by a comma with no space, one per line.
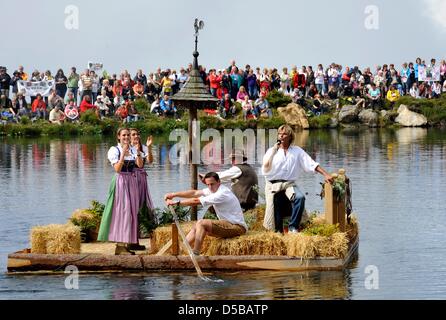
[86,106]
[38,104]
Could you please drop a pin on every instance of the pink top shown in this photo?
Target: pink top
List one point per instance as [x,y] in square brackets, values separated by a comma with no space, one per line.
[241,95]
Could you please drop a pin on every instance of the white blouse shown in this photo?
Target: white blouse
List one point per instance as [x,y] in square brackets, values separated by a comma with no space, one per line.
[113,154]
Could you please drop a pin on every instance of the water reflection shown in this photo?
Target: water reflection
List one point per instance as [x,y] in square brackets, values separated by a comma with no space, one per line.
[398,185]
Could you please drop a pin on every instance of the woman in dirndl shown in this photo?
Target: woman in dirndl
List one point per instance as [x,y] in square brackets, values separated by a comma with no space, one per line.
[146,208]
[120,218]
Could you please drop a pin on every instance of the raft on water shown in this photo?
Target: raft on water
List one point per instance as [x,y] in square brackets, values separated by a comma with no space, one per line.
[327,242]
[257,250]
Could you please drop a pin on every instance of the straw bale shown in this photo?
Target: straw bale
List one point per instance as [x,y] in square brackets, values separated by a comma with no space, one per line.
[38,239]
[252,243]
[81,214]
[262,242]
[164,234]
[56,239]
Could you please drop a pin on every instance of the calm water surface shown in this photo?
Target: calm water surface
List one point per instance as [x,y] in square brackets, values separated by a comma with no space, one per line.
[398,196]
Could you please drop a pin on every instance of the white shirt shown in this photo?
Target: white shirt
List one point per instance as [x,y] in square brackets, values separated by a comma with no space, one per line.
[113,154]
[290,166]
[226,205]
[232,173]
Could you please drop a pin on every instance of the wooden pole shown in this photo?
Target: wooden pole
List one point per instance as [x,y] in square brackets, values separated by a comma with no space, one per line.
[175,249]
[193,166]
[330,208]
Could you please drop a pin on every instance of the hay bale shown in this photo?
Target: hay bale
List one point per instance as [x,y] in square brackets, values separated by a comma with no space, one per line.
[163,234]
[38,239]
[56,239]
[260,242]
[82,214]
[254,218]
[252,243]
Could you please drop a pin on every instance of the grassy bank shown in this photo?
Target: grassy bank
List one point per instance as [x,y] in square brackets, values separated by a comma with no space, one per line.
[433,109]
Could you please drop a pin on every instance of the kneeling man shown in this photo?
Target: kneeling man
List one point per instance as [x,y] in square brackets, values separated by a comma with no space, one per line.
[231,222]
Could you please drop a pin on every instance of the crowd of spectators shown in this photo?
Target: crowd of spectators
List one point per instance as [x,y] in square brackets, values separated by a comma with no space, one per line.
[239,90]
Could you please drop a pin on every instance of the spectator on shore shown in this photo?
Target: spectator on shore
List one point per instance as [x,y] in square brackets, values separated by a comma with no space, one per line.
[251,80]
[374,96]
[86,104]
[133,114]
[22,74]
[285,81]
[38,107]
[155,107]
[141,77]
[71,111]
[182,78]
[69,97]
[227,106]
[262,108]
[15,78]
[122,112]
[102,106]
[94,85]
[7,112]
[392,95]
[61,83]
[87,83]
[138,90]
[73,83]
[5,81]
[248,109]
[414,92]
[168,108]
[241,94]
[436,90]
[21,105]
[56,115]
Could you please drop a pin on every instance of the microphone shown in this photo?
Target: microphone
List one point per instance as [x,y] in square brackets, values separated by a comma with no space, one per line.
[278,142]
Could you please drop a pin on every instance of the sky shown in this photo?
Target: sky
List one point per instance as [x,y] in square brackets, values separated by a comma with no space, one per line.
[133,34]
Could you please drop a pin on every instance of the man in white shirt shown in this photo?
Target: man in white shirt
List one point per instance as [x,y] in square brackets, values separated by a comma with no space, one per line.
[231,221]
[243,178]
[282,166]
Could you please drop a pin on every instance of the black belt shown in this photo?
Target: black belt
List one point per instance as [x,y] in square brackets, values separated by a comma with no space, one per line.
[277,181]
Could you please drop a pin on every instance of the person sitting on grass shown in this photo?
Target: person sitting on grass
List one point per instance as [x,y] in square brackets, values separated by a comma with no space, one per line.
[392,95]
[38,107]
[262,107]
[231,222]
[227,107]
[71,112]
[86,104]
[57,116]
[132,112]
[167,107]
[374,96]
[122,112]
[248,109]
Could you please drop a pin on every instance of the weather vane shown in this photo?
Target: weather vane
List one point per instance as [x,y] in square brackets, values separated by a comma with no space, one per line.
[198,25]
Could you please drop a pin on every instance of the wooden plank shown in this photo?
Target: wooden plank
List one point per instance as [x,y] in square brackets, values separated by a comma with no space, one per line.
[164,249]
[175,245]
[98,262]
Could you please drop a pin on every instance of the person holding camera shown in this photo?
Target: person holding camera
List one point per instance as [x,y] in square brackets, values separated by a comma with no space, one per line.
[282,165]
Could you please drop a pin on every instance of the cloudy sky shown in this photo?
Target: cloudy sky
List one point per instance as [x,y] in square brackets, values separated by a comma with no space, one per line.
[132,34]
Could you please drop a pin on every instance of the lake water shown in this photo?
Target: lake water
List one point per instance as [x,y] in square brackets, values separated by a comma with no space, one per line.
[398,181]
